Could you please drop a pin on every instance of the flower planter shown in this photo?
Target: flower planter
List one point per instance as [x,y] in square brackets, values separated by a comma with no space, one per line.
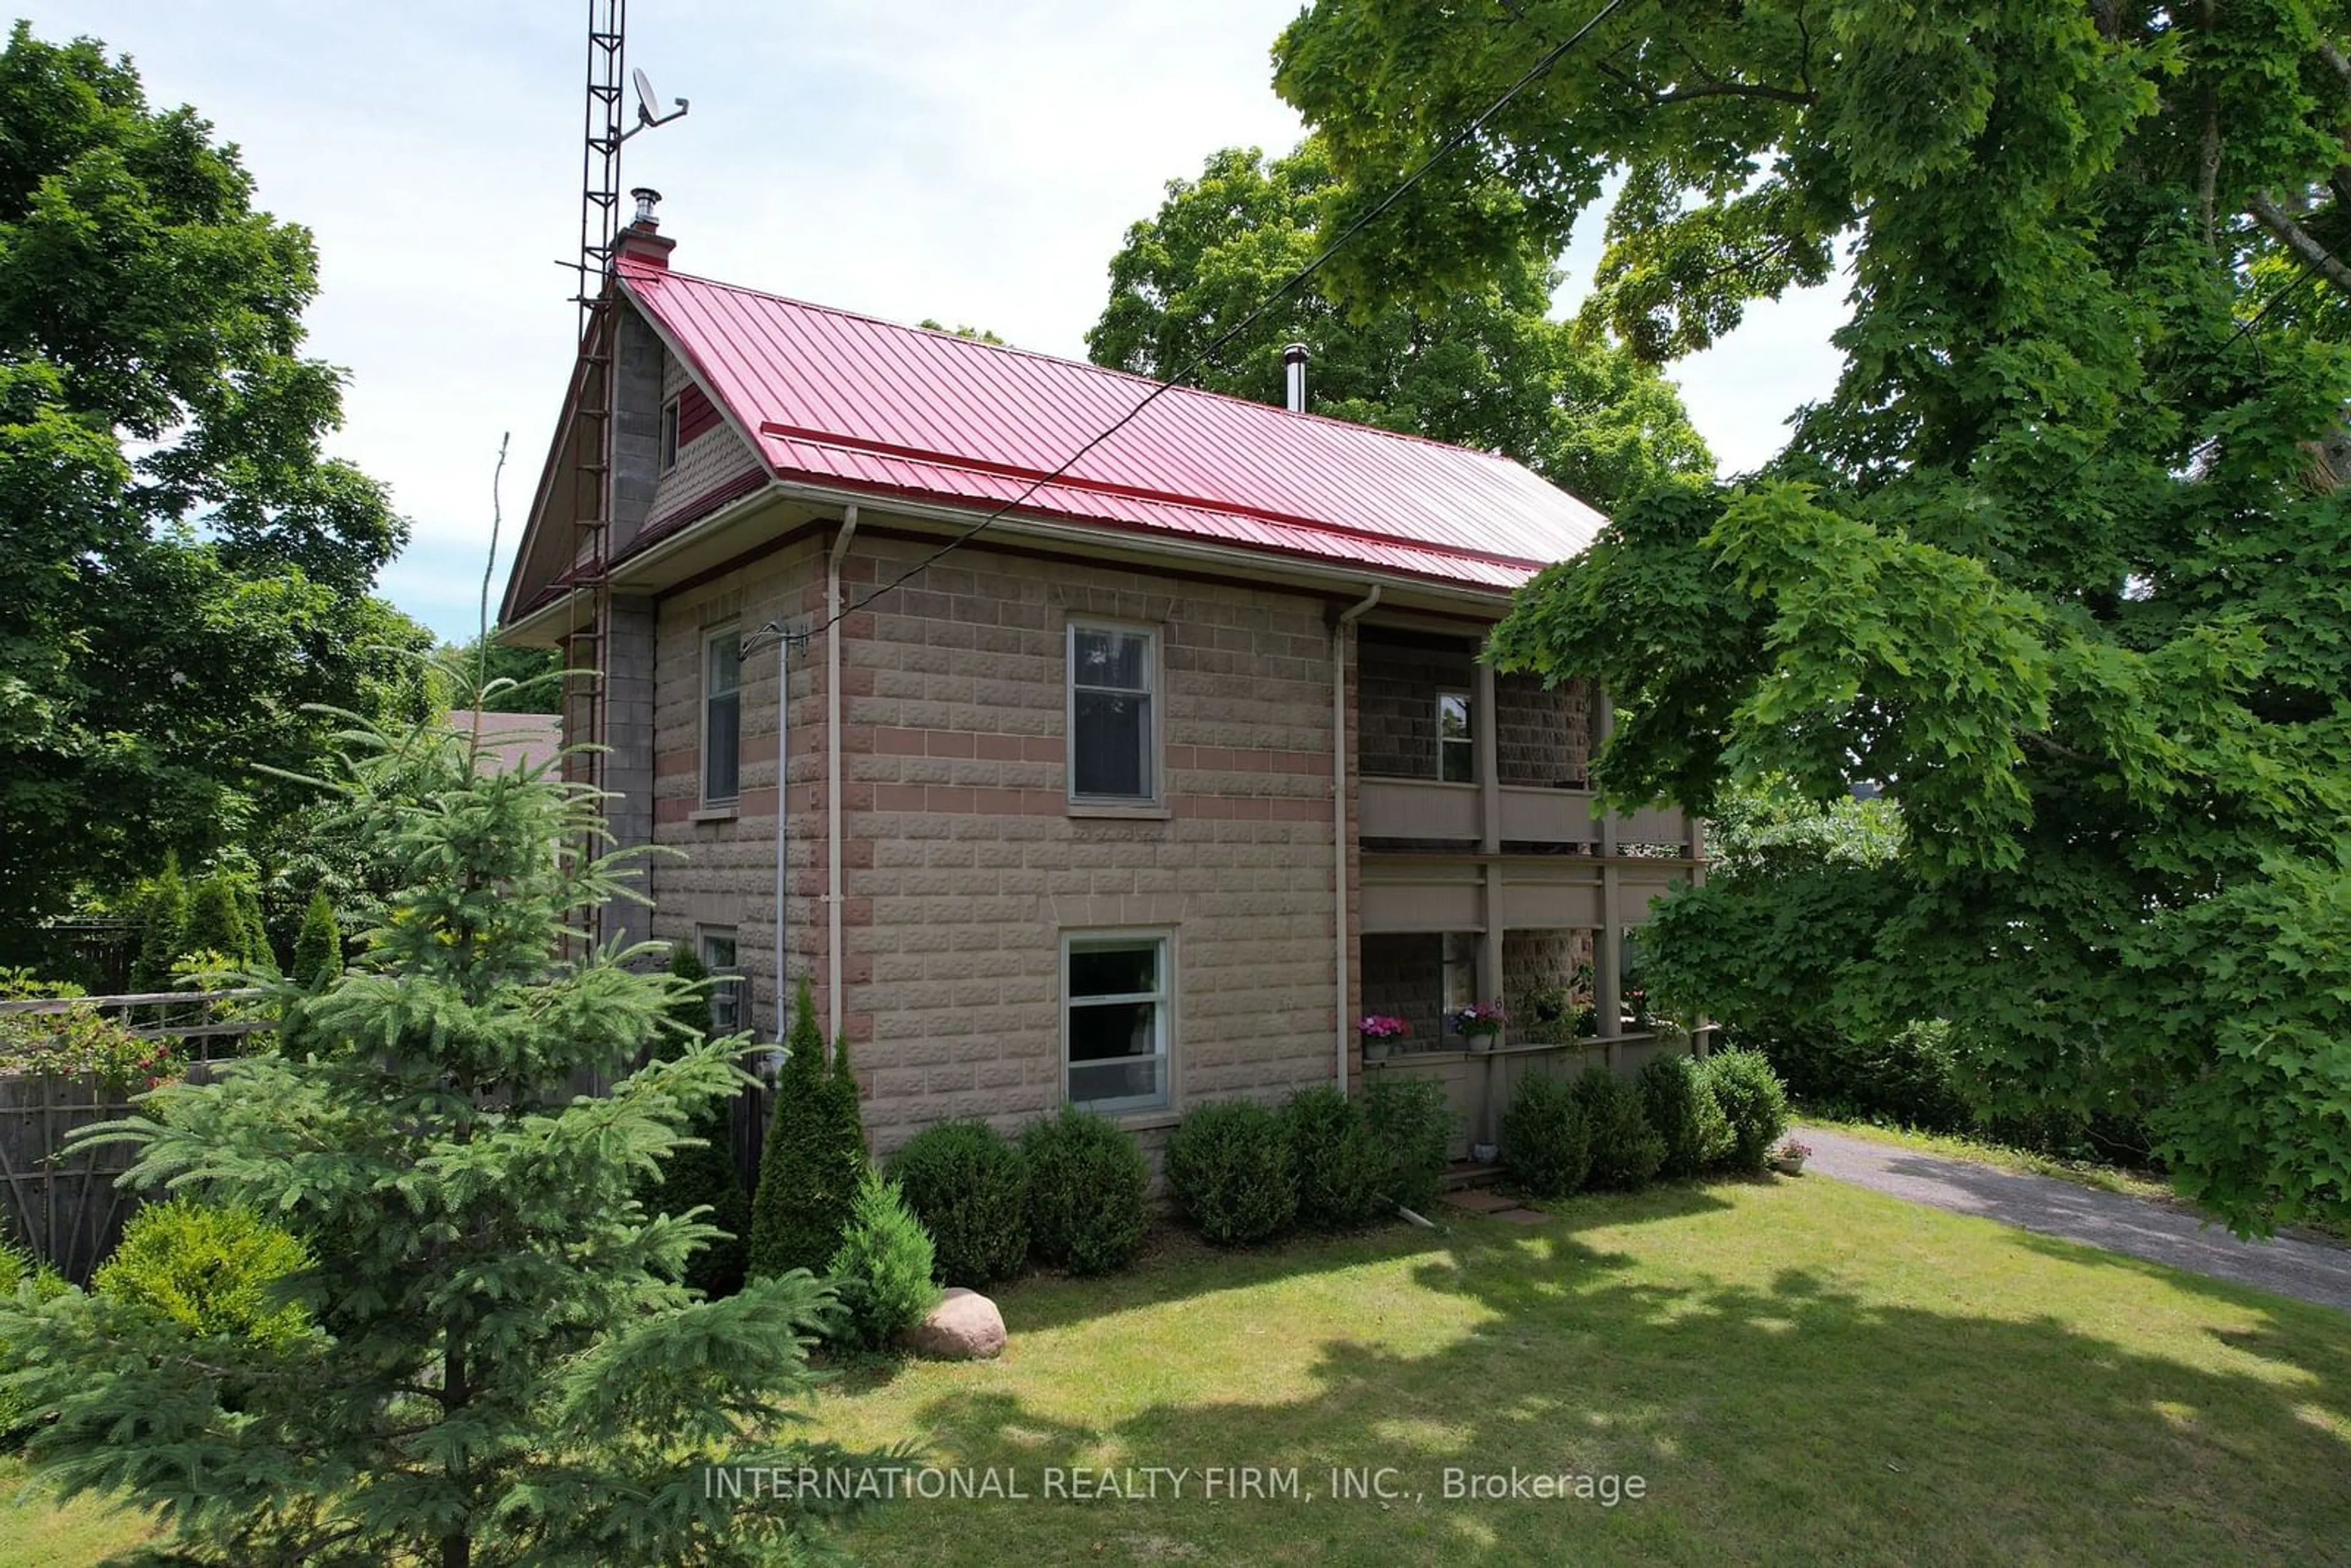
[1788,1164]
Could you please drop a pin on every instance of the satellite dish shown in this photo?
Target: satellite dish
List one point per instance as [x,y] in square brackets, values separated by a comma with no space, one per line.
[648,114]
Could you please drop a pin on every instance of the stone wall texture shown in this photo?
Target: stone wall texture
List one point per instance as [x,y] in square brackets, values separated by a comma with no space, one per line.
[1542,737]
[1401,678]
[964,865]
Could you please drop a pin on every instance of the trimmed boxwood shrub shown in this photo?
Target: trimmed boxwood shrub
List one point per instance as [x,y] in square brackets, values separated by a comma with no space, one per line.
[884,1268]
[1625,1150]
[1087,1186]
[1339,1168]
[1229,1166]
[1682,1108]
[969,1187]
[213,1270]
[1754,1102]
[1546,1142]
[1411,1123]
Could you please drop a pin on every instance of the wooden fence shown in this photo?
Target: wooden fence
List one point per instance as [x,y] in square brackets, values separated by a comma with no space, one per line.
[58,1199]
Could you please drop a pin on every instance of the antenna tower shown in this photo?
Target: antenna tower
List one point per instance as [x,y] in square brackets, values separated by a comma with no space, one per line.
[590,438]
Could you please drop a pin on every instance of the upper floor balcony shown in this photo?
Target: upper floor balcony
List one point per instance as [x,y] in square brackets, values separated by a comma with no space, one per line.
[1455,759]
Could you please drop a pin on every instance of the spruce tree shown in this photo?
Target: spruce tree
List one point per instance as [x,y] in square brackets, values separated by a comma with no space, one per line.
[701,1175]
[504,1367]
[814,1162]
[161,921]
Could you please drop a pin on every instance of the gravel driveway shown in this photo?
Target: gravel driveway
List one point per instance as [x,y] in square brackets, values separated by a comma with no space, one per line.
[2115,1222]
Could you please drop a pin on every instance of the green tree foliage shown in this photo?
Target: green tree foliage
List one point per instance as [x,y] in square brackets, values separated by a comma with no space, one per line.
[884,1268]
[17,1413]
[319,951]
[162,921]
[976,334]
[211,1270]
[185,570]
[698,1181]
[814,1161]
[216,920]
[1484,368]
[2058,563]
[506,1368]
[513,680]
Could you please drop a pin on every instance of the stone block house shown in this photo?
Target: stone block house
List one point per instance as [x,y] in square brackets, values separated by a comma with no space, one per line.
[1133,780]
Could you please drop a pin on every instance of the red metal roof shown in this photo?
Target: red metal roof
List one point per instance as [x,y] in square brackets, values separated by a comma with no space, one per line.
[843,399]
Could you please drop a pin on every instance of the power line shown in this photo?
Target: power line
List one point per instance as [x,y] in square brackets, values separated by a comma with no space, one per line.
[1551,57]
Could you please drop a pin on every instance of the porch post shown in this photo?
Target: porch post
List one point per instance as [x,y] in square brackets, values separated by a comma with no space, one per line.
[1607,962]
[1484,727]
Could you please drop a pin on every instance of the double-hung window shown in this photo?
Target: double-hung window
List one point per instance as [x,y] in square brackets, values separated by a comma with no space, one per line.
[1115,995]
[1112,717]
[722,717]
[1457,752]
[727,987]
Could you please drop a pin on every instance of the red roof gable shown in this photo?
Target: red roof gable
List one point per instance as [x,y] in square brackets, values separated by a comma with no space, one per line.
[843,398]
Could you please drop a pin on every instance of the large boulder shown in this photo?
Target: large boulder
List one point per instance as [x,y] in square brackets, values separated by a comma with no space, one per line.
[964,1326]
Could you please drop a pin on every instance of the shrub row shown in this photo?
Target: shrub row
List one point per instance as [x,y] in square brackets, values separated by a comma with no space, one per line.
[1071,1192]
[1680,1117]
[1242,1173]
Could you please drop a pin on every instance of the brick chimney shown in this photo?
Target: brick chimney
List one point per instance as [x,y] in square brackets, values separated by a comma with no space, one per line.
[642,240]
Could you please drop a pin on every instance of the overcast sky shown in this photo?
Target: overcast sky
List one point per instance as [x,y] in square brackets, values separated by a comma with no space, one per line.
[975,163]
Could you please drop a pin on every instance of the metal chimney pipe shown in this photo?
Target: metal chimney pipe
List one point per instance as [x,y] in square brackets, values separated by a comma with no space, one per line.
[1293,362]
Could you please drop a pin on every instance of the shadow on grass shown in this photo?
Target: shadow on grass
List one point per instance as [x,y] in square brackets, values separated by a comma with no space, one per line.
[1177,1264]
[1788,1422]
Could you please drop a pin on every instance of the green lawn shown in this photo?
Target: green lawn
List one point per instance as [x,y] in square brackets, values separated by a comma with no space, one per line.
[36,1533]
[1798,1370]
[1801,1372]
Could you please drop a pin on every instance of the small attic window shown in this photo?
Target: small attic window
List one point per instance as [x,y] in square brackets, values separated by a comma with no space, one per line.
[669,435]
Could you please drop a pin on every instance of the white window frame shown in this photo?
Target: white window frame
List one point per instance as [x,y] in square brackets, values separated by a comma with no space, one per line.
[1163,997]
[1468,740]
[728,983]
[667,441]
[710,637]
[1155,695]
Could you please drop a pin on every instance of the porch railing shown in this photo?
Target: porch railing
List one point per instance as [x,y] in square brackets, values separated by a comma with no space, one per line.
[1426,808]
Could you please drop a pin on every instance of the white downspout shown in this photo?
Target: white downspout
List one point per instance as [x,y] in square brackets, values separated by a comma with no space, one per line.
[1346,1043]
[832,766]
